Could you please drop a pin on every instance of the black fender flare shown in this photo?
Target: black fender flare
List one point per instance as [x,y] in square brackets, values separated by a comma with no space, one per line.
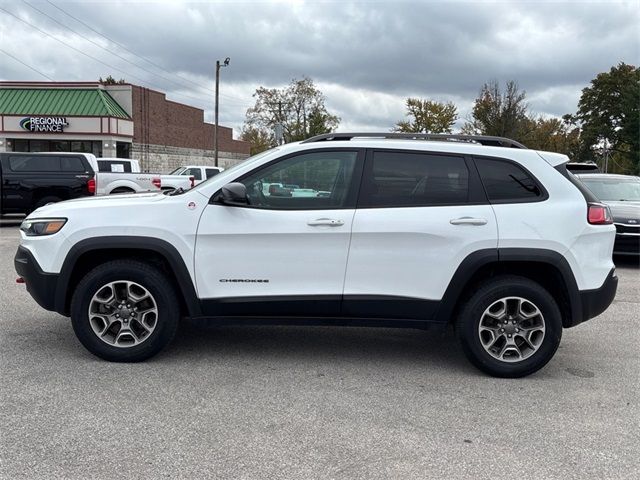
[502,256]
[156,245]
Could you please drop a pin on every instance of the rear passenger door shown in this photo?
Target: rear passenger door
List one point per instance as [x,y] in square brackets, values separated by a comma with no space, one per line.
[419,215]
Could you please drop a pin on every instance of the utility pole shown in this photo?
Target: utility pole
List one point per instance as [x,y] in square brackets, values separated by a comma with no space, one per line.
[215,130]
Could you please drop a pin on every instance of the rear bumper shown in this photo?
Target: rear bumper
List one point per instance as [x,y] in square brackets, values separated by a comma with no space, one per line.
[596,301]
[41,285]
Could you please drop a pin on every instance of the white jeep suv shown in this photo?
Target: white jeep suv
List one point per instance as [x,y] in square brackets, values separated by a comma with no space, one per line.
[404,231]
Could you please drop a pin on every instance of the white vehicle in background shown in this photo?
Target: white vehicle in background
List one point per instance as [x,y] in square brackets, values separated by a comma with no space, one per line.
[188,176]
[122,175]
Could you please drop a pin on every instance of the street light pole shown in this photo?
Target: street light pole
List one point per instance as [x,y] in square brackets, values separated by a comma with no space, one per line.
[215,130]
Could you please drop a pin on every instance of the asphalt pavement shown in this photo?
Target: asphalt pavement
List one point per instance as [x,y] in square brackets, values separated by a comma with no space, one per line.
[313,403]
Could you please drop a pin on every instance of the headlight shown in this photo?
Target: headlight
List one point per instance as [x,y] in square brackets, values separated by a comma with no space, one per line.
[42,226]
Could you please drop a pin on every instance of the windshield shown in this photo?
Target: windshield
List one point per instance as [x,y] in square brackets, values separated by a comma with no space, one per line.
[614,189]
[177,171]
[231,171]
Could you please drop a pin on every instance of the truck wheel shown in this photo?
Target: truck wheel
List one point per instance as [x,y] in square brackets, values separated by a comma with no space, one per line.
[125,311]
[45,201]
[510,327]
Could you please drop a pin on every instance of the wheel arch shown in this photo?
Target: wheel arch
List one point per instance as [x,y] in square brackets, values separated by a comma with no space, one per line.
[89,253]
[546,267]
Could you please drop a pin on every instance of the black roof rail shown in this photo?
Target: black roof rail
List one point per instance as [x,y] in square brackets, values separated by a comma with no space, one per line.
[486,140]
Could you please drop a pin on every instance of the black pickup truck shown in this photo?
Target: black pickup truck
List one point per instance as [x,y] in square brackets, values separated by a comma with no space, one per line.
[31,180]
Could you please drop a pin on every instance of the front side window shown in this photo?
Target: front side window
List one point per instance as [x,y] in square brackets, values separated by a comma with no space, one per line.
[317,180]
[507,182]
[403,179]
[193,172]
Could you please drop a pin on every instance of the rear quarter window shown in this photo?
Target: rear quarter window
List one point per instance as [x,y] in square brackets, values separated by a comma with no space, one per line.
[506,182]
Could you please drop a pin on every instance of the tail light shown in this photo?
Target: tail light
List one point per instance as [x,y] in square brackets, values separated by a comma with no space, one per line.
[91,186]
[193,181]
[599,214]
[157,182]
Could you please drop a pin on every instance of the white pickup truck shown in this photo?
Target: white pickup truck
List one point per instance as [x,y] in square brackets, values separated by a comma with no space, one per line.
[122,175]
[188,176]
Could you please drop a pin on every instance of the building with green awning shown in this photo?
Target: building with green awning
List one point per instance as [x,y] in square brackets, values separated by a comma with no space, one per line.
[115,120]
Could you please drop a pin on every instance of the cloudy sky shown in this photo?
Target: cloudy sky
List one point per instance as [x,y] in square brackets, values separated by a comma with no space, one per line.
[367,56]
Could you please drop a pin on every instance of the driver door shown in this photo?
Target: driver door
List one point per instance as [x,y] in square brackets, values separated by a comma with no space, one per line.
[286,252]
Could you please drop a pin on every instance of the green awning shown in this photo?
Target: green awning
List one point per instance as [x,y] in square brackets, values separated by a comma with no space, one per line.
[59,101]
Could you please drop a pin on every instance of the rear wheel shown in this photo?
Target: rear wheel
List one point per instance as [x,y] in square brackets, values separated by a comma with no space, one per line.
[510,327]
[125,311]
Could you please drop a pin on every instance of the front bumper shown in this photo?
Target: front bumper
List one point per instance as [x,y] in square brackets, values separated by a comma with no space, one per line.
[596,301]
[41,285]
[627,244]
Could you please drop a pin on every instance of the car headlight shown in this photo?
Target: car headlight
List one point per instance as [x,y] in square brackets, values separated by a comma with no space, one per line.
[42,226]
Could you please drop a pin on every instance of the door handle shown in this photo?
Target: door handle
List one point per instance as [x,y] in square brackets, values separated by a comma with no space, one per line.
[329,222]
[468,221]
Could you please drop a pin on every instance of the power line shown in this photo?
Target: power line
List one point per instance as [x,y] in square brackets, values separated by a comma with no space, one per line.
[100,46]
[90,56]
[28,66]
[133,53]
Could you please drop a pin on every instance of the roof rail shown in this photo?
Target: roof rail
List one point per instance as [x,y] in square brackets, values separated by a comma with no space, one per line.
[445,137]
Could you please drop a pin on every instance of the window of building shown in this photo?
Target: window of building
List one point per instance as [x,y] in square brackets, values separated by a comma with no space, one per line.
[402,179]
[310,181]
[123,150]
[505,181]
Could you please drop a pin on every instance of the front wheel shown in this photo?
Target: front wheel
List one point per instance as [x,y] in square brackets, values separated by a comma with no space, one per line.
[510,327]
[125,311]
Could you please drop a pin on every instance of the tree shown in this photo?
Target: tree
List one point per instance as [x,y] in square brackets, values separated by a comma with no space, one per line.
[111,81]
[299,108]
[552,135]
[499,114]
[260,139]
[609,117]
[428,117]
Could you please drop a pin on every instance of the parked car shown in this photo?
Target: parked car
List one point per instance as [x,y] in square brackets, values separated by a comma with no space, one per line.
[417,231]
[187,177]
[30,180]
[622,194]
[122,175]
[583,167]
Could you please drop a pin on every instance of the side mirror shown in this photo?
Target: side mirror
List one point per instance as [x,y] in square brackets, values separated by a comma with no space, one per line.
[234,193]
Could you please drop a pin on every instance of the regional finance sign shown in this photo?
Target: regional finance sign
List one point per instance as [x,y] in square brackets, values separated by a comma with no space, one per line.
[44,124]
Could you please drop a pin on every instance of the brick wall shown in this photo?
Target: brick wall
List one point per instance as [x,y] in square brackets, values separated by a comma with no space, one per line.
[165,159]
[158,121]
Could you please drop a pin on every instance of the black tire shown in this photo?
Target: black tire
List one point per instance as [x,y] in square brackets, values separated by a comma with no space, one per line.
[149,277]
[122,190]
[45,201]
[472,310]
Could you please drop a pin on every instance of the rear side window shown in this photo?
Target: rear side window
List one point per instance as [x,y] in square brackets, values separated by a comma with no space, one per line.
[34,163]
[71,164]
[506,182]
[114,166]
[211,172]
[403,179]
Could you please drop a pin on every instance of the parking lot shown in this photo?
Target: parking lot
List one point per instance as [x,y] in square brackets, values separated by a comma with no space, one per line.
[294,402]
